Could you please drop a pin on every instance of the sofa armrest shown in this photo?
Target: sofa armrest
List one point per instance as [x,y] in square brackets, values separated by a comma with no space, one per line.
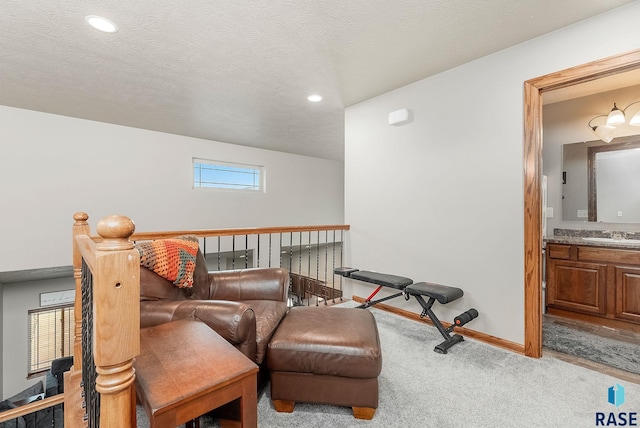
[234,321]
[250,284]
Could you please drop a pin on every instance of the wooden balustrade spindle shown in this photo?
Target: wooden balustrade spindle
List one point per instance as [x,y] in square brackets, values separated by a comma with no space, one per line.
[80,227]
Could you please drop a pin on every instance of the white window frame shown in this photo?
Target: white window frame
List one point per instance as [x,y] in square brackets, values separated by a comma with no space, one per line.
[48,340]
[257,184]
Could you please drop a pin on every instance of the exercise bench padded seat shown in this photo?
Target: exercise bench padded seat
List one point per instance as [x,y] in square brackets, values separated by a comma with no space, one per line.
[442,293]
[384,279]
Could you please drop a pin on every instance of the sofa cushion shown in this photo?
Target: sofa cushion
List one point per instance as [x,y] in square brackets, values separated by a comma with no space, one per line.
[6,405]
[155,287]
[36,419]
[268,313]
[200,289]
[14,423]
[31,391]
[327,341]
[249,284]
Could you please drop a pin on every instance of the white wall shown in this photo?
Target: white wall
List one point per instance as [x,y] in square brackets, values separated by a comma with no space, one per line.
[441,199]
[52,166]
[18,299]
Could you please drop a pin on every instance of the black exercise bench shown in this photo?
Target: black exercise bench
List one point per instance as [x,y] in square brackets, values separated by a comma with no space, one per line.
[434,292]
[380,279]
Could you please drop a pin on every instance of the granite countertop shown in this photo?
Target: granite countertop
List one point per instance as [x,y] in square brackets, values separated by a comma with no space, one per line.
[578,240]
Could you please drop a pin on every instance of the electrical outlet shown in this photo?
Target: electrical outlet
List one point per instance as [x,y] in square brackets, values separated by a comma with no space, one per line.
[583,213]
[549,212]
[619,213]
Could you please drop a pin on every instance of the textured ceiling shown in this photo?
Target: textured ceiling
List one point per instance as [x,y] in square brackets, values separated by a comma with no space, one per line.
[240,71]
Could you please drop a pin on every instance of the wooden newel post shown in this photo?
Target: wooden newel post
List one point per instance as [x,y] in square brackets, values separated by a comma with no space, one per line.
[80,227]
[116,316]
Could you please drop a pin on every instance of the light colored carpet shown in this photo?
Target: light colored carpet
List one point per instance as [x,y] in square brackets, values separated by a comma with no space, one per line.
[474,385]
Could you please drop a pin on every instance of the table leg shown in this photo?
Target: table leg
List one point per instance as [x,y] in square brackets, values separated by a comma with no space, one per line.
[249,402]
[195,423]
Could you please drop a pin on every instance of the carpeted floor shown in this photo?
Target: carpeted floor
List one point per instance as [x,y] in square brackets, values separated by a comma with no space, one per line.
[474,385]
[623,355]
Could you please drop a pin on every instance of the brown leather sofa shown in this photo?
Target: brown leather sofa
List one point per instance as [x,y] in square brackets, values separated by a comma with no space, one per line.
[243,306]
[313,358]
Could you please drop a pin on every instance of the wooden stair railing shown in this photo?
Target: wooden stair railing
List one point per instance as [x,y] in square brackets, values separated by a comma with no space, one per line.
[309,253]
[110,267]
[11,414]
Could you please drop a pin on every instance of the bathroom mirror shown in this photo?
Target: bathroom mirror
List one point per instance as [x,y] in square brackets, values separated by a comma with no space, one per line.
[601,181]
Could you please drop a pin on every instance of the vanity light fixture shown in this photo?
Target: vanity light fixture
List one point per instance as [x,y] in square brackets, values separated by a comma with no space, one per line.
[101,24]
[603,132]
[614,118]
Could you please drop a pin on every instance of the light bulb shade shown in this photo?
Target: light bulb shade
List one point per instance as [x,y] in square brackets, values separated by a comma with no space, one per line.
[604,132]
[635,120]
[616,116]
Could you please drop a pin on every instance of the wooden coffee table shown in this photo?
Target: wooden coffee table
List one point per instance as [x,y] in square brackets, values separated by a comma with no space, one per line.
[186,369]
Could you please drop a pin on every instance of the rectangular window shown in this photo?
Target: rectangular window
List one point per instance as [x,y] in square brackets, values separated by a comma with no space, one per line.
[223,175]
[50,334]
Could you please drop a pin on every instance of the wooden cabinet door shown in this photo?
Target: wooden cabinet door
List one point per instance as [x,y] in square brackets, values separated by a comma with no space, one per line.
[577,286]
[627,292]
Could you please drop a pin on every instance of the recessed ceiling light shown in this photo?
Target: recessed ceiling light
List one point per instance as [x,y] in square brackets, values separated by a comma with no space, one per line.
[101,24]
[314,98]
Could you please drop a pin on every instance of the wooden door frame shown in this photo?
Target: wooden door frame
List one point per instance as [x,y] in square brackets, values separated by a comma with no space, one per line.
[533,90]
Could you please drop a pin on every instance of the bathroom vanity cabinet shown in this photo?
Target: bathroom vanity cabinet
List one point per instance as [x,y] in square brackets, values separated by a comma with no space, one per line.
[593,283]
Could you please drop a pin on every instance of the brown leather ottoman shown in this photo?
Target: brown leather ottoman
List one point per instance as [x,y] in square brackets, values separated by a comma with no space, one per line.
[326,355]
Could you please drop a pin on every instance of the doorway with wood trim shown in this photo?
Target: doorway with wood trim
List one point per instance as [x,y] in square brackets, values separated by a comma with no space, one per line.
[533,90]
